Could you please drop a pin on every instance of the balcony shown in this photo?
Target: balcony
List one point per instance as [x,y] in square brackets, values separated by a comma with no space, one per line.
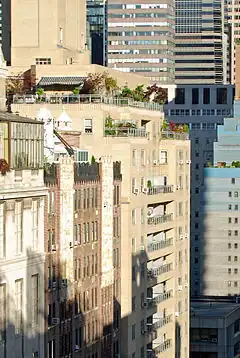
[156,246]
[174,135]
[160,189]
[157,271]
[163,347]
[162,322]
[125,132]
[160,219]
[154,301]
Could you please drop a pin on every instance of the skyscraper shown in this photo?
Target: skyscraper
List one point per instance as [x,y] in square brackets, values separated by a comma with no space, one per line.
[201,42]
[97,29]
[141,38]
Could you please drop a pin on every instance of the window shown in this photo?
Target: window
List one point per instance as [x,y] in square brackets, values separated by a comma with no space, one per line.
[236,194]
[229,259]
[196,190]
[133,273]
[229,271]
[142,352]
[229,232]
[229,220]
[235,232]
[134,216]
[233,181]
[43,61]
[142,216]
[235,284]
[235,258]
[88,126]
[18,227]
[133,331]
[163,157]
[195,95]
[133,303]
[2,312]
[221,95]
[115,226]
[34,297]
[60,35]
[180,96]
[196,140]
[235,246]
[236,271]
[133,244]
[143,157]
[134,157]
[229,194]
[2,231]
[236,221]
[206,95]
[35,214]
[235,207]
[134,182]
[229,245]
[142,186]
[180,209]
[18,306]
[229,207]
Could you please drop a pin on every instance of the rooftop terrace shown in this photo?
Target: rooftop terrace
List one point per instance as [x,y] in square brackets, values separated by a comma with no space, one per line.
[86,99]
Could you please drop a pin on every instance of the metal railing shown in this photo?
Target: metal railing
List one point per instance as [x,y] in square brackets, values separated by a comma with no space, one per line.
[162,322]
[163,346]
[87,99]
[152,302]
[154,272]
[155,246]
[160,189]
[174,135]
[125,132]
[160,219]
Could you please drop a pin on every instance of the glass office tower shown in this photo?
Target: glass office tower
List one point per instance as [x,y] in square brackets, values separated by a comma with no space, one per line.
[202,42]
[97,30]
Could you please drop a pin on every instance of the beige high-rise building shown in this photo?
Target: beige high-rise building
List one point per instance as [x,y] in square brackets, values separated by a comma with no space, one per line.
[234,21]
[155,196]
[48,32]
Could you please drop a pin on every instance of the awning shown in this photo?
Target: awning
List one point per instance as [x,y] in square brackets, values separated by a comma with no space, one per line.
[63,80]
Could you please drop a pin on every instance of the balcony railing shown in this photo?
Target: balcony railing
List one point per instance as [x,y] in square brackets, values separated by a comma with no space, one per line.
[174,135]
[163,346]
[160,189]
[125,132]
[160,219]
[155,246]
[154,272]
[86,99]
[162,322]
[152,302]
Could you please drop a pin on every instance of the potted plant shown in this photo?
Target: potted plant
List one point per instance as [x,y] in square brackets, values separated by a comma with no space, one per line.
[4,167]
[149,184]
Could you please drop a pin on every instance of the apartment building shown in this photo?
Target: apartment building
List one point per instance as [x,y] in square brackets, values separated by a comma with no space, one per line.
[154,205]
[82,300]
[202,42]
[52,34]
[202,107]
[215,327]
[141,39]
[233,8]
[22,194]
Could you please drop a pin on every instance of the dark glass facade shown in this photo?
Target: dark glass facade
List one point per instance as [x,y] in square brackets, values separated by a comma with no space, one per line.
[97,30]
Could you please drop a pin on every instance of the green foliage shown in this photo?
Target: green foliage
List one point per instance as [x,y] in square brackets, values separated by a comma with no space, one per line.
[93,160]
[236,164]
[40,92]
[149,184]
[76,91]
[165,125]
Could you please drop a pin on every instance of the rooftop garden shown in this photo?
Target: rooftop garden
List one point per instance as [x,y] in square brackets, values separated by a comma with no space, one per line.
[123,128]
[235,164]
